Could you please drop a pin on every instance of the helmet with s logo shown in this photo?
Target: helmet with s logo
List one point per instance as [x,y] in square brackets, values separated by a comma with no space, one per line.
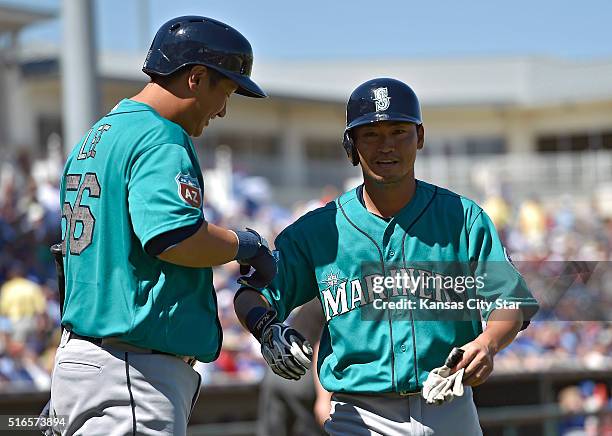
[381,99]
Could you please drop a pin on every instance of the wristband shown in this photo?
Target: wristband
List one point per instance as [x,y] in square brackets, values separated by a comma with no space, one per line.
[248,244]
[258,319]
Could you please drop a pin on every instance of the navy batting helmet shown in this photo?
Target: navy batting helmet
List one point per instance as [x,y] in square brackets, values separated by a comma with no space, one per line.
[194,40]
[380,99]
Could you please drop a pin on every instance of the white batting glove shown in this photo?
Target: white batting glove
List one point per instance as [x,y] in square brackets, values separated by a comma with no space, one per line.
[286,351]
[439,389]
[441,386]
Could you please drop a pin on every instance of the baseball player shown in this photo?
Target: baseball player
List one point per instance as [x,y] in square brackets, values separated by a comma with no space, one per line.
[385,343]
[140,307]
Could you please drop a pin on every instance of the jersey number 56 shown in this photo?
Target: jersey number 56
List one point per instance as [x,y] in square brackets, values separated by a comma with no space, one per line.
[79,214]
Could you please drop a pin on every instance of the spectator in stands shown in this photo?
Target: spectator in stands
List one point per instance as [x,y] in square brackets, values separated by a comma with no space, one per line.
[21,301]
[570,402]
[499,211]
[532,221]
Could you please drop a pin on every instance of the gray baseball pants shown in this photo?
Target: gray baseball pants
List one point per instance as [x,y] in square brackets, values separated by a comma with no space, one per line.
[106,391]
[381,415]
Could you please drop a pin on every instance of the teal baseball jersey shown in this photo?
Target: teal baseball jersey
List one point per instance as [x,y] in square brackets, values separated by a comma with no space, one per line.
[134,176]
[384,334]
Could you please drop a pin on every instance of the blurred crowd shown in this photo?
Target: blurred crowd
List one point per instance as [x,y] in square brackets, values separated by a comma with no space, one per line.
[586,404]
[29,306]
[564,251]
[539,237]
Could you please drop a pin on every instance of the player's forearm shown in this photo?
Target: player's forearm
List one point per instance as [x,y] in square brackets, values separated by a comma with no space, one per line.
[321,393]
[246,301]
[210,245]
[322,404]
[502,327]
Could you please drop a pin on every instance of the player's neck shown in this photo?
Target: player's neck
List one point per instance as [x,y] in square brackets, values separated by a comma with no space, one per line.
[166,104]
[387,200]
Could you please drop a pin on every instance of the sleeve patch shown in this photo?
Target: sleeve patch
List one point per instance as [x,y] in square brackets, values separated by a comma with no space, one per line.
[189,190]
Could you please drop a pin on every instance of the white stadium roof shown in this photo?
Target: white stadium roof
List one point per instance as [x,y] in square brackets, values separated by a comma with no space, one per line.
[523,81]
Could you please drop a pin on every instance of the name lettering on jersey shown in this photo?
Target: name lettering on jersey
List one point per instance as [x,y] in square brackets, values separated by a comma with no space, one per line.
[189,189]
[381,98]
[91,152]
[340,295]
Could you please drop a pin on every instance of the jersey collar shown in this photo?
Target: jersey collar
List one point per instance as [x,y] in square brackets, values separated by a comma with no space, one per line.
[358,213]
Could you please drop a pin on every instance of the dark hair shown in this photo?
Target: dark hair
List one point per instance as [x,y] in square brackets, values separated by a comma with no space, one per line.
[214,77]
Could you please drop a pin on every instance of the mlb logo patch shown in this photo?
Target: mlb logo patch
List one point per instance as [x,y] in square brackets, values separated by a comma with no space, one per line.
[189,190]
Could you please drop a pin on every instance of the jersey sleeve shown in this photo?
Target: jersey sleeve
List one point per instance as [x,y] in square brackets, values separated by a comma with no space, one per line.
[502,284]
[295,283]
[164,192]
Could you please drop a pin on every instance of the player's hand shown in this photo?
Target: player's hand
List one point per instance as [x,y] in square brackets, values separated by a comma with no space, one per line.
[477,361]
[259,258]
[286,351]
[264,264]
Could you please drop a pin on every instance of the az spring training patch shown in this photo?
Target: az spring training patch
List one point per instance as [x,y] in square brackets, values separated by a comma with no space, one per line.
[189,190]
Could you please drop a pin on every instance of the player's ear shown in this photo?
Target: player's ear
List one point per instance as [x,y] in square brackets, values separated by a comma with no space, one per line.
[196,76]
[420,136]
[350,148]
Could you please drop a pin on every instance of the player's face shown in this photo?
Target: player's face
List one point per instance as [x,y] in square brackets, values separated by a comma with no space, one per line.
[387,150]
[211,102]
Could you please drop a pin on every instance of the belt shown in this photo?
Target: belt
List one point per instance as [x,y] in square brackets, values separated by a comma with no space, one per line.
[394,395]
[401,394]
[124,346]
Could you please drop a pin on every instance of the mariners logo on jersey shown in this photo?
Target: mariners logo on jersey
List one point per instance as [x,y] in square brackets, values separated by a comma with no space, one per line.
[381,98]
[341,295]
[189,190]
[332,280]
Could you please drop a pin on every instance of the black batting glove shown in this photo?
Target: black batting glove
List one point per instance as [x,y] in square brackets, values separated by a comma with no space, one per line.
[286,351]
[253,252]
[264,264]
